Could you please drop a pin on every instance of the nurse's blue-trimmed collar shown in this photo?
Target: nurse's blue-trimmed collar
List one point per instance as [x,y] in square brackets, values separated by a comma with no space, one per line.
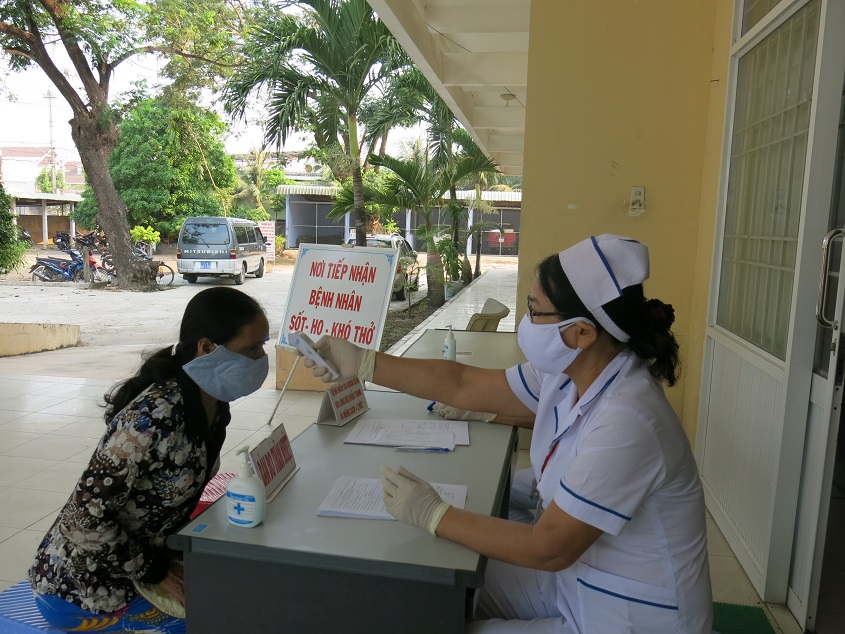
[599,385]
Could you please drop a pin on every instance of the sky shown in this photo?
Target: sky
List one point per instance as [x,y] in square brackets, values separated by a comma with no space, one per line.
[25,109]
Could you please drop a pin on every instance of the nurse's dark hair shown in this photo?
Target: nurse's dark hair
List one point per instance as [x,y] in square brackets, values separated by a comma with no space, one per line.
[217,313]
[647,322]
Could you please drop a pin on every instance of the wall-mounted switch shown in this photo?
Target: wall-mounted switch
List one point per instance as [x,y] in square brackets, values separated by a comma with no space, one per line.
[637,204]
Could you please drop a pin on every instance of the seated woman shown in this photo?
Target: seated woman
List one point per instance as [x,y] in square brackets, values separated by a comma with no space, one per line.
[619,542]
[164,430]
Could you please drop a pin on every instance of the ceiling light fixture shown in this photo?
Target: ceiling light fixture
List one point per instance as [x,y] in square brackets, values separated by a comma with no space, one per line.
[508,97]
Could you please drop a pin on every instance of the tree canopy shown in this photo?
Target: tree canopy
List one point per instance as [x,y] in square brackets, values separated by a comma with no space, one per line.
[255,193]
[420,184]
[80,43]
[170,163]
[315,69]
[44,180]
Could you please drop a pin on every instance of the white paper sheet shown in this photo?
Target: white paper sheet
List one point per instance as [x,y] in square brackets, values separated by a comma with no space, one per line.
[362,498]
[391,433]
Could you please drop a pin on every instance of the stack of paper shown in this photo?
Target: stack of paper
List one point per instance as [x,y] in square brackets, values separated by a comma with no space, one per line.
[410,433]
[362,498]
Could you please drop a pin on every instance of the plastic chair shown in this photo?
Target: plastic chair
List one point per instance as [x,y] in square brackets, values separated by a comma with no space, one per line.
[488,319]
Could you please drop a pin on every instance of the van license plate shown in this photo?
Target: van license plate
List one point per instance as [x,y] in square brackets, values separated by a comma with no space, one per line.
[205,265]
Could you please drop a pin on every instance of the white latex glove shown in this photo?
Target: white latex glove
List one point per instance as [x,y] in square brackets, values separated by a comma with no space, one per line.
[411,499]
[453,413]
[349,359]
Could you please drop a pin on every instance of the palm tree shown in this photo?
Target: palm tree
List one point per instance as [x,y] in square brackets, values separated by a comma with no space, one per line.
[418,184]
[447,141]
[316,68]
[381,115]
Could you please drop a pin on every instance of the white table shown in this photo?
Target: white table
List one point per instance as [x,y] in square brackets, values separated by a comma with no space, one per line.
[481,349]
[298,572]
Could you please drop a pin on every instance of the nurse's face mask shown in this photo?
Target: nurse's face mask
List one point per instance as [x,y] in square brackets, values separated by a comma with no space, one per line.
[543,344]
[227,375]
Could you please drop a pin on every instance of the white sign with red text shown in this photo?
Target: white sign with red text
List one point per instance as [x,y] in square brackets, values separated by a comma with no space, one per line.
[268,230]
[340,291]
[273,461]
[343,403]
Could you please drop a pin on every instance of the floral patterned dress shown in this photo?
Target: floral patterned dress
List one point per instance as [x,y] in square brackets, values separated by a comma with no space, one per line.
[144,479]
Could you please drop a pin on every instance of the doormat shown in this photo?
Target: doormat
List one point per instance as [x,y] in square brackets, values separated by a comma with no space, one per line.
[740,619]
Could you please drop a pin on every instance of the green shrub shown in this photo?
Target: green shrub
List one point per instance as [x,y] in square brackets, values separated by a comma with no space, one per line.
[280,244]
[145,234]
[11,249]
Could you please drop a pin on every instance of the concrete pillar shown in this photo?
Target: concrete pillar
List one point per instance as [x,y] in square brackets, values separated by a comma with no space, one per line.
[44,221]
[287,222]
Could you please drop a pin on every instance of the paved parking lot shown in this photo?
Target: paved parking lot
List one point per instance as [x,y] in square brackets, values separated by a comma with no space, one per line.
[117,326]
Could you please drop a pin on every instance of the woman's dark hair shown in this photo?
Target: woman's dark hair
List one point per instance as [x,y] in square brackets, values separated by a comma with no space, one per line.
[217,313]
[647,322]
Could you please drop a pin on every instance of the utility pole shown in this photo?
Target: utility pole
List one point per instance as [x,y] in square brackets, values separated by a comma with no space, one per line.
[49,97]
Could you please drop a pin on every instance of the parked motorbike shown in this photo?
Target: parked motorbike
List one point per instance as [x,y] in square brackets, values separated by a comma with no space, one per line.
[62,240]
[92,240]
[24,236]
[52,269]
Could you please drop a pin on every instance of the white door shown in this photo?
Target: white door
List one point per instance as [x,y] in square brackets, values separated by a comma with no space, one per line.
[825,411]
[757,402]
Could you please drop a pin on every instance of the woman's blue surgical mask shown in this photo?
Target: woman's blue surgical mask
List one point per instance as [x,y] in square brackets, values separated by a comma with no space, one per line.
[543,345]
[227,375]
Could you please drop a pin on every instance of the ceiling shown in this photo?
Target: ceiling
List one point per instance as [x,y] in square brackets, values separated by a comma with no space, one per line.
[475,54]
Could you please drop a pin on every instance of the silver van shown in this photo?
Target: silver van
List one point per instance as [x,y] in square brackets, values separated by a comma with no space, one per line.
[213,246]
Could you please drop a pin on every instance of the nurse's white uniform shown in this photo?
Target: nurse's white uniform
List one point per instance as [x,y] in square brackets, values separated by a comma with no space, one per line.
[619,460]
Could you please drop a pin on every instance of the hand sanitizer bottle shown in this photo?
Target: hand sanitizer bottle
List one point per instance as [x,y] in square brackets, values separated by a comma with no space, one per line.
[449,346]
[246,498]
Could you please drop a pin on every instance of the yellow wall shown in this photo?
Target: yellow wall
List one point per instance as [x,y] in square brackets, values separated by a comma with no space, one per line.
[708,212]
[618,96]
[28,338]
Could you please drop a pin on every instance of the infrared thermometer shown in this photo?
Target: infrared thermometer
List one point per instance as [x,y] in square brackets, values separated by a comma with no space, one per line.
[303,343]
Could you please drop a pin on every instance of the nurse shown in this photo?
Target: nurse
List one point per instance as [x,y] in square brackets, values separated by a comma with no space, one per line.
[619,541]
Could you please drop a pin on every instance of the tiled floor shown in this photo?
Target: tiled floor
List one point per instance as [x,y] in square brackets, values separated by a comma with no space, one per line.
[49,425]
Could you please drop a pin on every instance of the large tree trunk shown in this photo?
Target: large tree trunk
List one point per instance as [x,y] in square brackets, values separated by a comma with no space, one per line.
[95,138]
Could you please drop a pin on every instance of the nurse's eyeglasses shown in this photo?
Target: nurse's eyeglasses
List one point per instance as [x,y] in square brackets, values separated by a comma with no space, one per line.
[533,313]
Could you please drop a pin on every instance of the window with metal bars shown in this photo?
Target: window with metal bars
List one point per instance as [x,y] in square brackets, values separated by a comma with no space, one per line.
[765,182]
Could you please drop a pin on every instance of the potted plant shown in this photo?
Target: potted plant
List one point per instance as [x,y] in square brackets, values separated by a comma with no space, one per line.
[451,258]
[145,238]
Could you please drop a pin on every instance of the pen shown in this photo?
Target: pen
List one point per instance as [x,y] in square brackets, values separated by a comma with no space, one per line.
[430,406]
[425,449]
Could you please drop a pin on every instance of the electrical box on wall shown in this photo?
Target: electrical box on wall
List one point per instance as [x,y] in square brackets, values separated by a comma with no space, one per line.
[637,201]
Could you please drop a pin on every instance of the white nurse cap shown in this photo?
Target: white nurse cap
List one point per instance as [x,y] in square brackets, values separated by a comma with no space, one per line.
[599,268]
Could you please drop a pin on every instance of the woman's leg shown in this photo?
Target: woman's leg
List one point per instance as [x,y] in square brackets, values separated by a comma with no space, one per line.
[516,599]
